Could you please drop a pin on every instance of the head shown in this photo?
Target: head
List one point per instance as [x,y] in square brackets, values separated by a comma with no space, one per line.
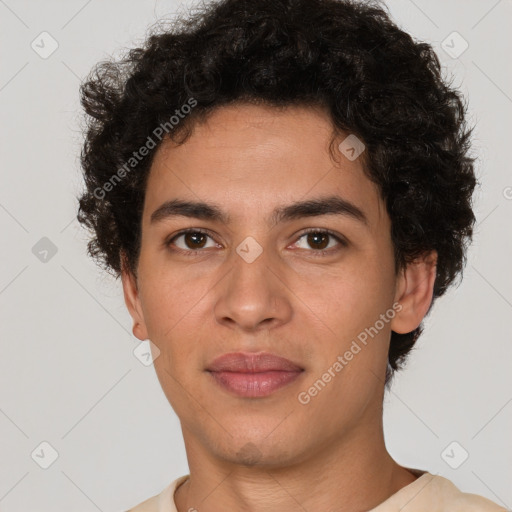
[320,163]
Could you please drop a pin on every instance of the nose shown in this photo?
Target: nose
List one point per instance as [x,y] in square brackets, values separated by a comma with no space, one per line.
[253,295]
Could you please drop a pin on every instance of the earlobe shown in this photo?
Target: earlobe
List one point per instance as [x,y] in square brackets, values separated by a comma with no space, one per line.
[132,301]
[415,290]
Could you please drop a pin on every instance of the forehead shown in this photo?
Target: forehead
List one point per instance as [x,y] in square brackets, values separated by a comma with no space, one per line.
[252,159]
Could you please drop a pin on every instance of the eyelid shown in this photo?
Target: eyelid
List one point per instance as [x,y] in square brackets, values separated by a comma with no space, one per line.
[339,238]
[169,240]
[320,253]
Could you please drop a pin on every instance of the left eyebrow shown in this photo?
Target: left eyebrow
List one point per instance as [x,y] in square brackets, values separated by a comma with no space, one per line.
[331,205]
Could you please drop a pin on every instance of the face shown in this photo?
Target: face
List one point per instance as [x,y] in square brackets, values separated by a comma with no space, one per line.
[257,273]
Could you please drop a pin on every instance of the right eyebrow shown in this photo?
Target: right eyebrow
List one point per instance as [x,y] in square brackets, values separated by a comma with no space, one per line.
[193,209]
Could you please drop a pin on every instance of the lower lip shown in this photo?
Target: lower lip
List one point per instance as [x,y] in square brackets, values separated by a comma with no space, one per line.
[254,384]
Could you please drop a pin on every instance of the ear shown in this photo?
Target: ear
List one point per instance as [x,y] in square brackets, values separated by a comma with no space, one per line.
[132,301]
[414,291]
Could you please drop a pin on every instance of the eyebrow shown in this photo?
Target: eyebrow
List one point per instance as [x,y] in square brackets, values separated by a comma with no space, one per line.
[332,205]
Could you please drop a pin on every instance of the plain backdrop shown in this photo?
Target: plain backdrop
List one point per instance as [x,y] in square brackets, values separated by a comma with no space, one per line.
[68,374]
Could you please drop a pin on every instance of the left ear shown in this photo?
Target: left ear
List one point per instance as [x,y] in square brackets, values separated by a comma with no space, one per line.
[414,291]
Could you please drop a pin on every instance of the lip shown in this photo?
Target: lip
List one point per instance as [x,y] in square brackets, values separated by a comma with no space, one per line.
[252,362]
[253,374]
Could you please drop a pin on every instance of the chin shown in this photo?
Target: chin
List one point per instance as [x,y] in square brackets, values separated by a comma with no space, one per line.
[265,453]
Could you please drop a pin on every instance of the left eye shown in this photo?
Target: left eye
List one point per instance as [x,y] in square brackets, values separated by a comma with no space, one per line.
[319,240]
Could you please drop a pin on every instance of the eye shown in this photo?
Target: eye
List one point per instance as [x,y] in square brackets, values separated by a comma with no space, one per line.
[191,240]
[318,241]
[321,241]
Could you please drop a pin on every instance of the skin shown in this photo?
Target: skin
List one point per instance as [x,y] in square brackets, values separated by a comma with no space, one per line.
[273,453]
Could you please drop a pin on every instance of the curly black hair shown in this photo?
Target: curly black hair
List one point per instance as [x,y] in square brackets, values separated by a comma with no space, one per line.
[346,56]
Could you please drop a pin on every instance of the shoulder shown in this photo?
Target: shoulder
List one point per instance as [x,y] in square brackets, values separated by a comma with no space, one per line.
[434,493]
[454,500]
[162,502]
[149,505]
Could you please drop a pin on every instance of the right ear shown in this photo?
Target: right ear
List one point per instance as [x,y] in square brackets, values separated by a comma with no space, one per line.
[132,300]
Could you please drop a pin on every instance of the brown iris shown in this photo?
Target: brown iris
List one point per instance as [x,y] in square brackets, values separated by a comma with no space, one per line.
[198,240]
[314,239]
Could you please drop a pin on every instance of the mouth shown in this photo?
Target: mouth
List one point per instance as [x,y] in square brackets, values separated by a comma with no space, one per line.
[253,375]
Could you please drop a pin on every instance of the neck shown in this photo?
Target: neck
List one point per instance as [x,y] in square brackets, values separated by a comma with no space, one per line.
[352,473]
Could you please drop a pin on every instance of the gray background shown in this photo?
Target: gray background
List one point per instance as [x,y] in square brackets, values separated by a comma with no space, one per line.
[68,375]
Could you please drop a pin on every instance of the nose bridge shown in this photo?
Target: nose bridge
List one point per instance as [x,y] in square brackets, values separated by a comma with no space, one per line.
[252,293]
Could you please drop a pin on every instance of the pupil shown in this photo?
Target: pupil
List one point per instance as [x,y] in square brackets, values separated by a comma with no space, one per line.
[194,237]
[313,239]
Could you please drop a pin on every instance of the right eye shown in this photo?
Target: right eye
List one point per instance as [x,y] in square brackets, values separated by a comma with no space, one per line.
[190,240]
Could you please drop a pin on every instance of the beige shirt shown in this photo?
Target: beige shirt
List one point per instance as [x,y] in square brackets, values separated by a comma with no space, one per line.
[428,493]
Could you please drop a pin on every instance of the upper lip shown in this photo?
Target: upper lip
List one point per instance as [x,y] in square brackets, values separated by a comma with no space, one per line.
[251,362]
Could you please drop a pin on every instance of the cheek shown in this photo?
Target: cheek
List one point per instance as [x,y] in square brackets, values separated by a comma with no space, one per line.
[170,292]
[348,298]
[168,304]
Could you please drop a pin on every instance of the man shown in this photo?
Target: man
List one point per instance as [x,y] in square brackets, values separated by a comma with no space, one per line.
[284,188]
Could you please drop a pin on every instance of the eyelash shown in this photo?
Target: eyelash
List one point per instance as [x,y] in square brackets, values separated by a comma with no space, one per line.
[317,253]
